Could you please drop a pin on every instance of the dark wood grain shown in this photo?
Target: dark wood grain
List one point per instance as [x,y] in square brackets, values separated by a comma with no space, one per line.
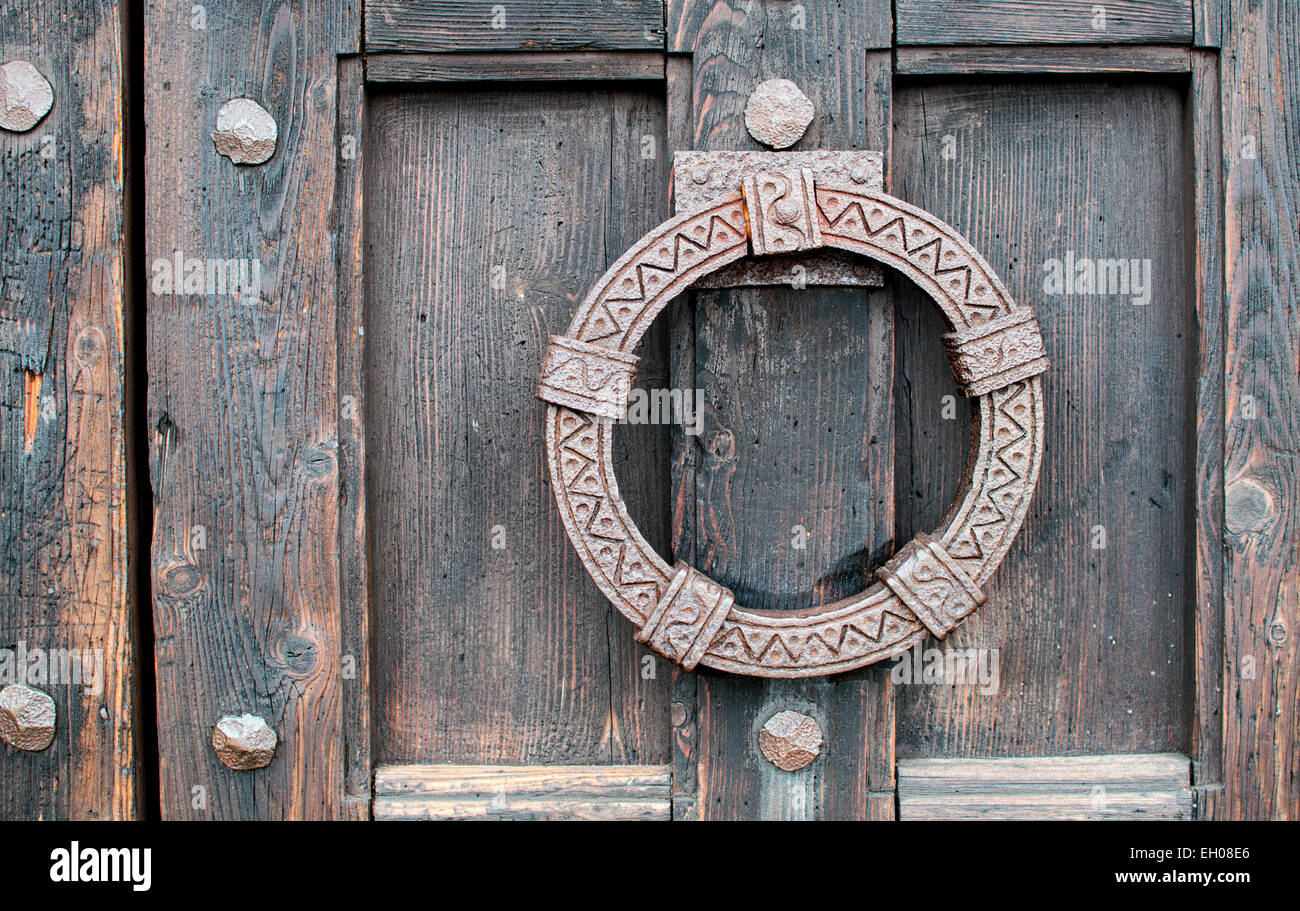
[535,25]
[1260,92]
[1041,58]
[1043,22]
[490,212]
[66,508]
[1093,644]
[397,67]
[774,364]
[244,409]
[1208,22]
[1205,253]
[354,540]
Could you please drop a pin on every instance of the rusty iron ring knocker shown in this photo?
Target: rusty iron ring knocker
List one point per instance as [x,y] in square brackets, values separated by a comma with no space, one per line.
[932,582]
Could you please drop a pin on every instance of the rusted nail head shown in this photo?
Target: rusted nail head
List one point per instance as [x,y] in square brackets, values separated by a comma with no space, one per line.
[790,740]
[778,113]
[26,717]
[245,133]
[244,742]
[25,96]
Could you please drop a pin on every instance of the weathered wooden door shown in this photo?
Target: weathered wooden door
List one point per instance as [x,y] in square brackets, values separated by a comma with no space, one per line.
[393,588]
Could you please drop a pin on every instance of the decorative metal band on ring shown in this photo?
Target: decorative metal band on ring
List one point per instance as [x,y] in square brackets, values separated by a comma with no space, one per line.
[932,582]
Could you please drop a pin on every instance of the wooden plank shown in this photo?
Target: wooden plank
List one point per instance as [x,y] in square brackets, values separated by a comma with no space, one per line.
[1091,632]
[771,363]
[1132,786]
[623,792]
[866,23]
[1208,22]
[243,410]
[68,516]
[354,567]
[1037,58]
[680,70]
[1205,253]
[1044,21]
[1261,579]
[540,66]
[504,654]
[536,25]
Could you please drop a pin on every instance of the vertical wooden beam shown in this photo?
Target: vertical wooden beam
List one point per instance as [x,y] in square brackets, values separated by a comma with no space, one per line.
[354,577]
[1207,23]
[740,529]
[244,405]
[66,515]
[1261,578]
[1205,254]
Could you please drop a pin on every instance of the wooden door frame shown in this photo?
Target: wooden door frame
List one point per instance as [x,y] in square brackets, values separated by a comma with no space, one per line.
[313,75]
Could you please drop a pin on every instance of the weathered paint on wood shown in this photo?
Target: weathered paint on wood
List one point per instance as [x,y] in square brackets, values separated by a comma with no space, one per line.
[1131,786]
[533,25]
[553,792]
[1044,22]
[489,213]
[244,409]
[1089,611]
[68,538]
[773,364]
[1260,95]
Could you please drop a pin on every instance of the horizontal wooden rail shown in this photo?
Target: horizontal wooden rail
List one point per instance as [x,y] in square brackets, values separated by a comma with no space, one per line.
[604,65]
[522,792]
[1137,786]
[1037,59]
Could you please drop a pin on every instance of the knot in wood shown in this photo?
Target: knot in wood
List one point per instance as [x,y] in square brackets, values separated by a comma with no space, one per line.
[26,717]
[244,742]
[246,132]
[25,96]
[778,113]
[790,740]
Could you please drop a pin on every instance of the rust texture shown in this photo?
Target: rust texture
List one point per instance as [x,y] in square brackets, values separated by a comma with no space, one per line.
[779,206]
[790,740]
[997,353]
[244,742]
[778,113]
[246,133]
[931,584]
[687,617]
[700,178]
[689,625]
[26,717]
[587,377]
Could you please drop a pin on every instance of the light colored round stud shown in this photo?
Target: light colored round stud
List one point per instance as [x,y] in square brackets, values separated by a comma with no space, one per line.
[26,717]
[790,740]
[25,96]
[245,133]
[778,113]
[244,742]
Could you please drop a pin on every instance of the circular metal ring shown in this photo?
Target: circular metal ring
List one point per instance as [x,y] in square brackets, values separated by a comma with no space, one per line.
[932,582]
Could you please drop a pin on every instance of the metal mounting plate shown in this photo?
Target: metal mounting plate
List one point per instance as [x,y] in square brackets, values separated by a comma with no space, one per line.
[702,178]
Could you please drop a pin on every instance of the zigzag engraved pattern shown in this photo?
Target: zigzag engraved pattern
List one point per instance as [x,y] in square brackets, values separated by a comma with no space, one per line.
[653,272]
[626,564]
[1006,486]
[875,624]
[917,243]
